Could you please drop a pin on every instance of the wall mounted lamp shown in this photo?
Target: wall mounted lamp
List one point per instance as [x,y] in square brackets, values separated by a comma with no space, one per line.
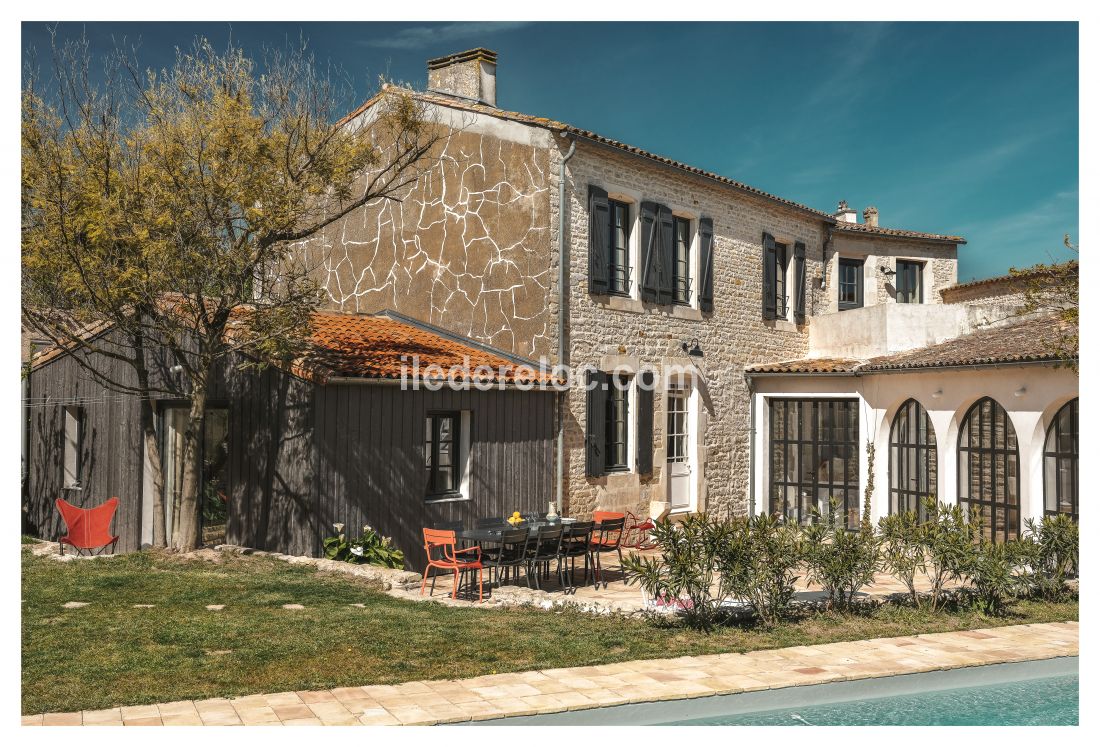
[692,348]
[937,394]
[1021,391]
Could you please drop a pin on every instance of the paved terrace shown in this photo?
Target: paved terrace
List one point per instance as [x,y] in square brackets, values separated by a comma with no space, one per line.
[557,690]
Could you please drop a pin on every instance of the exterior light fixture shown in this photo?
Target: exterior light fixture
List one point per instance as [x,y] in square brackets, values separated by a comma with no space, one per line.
[886,271]
[692,348]
[1021,391]
[937,394]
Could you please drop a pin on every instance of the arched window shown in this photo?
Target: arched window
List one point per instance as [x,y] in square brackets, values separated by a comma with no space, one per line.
[912,459]
[1060,462]
[989,469]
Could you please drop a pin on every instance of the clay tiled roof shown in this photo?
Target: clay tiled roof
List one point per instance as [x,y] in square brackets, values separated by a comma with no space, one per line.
[1027,273]
[807,365]
[898,233]
[1025,341]
[379,347]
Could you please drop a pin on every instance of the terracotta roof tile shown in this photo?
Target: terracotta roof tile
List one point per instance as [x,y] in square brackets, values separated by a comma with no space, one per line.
[379,347]
[896,233]
[1024,341]
[1025,274]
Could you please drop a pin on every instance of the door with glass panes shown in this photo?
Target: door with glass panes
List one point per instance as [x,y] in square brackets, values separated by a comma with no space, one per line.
[678,448]
[213,488]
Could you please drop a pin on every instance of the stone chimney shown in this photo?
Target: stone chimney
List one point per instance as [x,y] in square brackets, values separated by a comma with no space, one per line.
[870,216]
[843,213]
[468,75]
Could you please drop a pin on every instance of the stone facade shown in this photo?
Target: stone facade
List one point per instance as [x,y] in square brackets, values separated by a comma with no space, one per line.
[473,247]
[940,266]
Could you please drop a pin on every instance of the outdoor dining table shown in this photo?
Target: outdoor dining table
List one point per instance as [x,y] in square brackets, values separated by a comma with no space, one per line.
[492,534]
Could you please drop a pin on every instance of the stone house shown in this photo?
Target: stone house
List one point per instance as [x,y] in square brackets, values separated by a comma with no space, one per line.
[554,242]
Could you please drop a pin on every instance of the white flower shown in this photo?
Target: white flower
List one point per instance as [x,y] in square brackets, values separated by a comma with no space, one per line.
[338,527]
[357,551]
[367,528]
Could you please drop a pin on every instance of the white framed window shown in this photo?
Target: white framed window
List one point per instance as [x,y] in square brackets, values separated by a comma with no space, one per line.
[447,455]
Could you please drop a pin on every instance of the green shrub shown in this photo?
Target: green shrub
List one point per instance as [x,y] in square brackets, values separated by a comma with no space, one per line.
[841,561]
[948,544]
[902,550]
[759,563]
[686,573]
[369,548]
[1052,549]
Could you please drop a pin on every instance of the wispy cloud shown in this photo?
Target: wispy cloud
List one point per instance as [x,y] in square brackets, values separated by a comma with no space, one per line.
[418,37]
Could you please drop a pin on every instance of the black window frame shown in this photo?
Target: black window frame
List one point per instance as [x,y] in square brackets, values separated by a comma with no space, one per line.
[912,449]
[858,266]
[976,449]
[782,258]
[616,417]
[431,453]
[618,273]
[903,267]
[1058,458]
[681,268]
[812,438]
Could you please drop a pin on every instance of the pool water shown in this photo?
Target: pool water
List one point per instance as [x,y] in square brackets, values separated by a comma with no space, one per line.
[1051,701]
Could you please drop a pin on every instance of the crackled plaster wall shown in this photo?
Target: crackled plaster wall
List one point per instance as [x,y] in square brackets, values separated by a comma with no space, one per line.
[467,247]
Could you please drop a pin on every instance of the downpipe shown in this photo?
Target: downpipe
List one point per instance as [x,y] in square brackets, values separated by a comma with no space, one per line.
[563,284]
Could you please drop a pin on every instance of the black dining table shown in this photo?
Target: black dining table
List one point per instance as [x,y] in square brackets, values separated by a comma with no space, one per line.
[492,533]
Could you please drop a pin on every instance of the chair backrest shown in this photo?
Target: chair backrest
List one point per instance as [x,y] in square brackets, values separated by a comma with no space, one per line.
[600,516]
[577,532]
[546,542]
[608,533]
[513,545]
[88,528]
[439,544]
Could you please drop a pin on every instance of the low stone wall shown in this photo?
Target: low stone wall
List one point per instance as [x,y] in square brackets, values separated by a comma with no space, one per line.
[389,577]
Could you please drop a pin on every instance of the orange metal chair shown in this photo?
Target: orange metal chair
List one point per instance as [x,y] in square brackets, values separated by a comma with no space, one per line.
[88,528]
[599,516]
[440,546]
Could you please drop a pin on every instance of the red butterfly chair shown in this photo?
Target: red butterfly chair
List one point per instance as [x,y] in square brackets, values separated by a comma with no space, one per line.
[440,547]
[89,528]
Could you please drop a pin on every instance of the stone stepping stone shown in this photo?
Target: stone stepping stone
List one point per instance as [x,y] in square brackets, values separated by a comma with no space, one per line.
[74,605]
[293,607]
[215,607]
[144,606]
[360,605]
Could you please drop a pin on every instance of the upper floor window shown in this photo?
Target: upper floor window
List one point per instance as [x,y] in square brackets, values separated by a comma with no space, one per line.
[908,282]
[775,278]
[681,264]
[619,249]
[850,284]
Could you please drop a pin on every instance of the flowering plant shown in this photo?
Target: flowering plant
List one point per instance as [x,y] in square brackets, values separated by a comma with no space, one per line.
[368,548]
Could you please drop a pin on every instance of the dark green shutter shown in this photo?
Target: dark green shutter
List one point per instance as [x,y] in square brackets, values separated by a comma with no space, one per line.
[599,240]
[650,251]
[768,291]
[596,425]
[799,282]
[666,256]
[645,423]
[706,264]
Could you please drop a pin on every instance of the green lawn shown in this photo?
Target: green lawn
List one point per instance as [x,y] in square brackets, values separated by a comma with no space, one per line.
[109,653]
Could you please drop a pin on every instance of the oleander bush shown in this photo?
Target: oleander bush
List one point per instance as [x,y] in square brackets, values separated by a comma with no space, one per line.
[1051,555]
[759,564]
[841,561]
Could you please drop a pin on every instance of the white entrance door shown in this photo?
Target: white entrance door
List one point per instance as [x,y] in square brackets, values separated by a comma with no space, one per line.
[677,450]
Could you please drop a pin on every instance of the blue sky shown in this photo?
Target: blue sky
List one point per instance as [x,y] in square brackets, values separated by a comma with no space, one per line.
[962,128]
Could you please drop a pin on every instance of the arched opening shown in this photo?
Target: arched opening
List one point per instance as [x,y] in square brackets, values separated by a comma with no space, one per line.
[1060,463]
[913,459]
[989,469]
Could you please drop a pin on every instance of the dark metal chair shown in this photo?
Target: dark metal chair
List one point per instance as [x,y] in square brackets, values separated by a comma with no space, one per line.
[507,556]
[606,537]
[574,544]
[543,546]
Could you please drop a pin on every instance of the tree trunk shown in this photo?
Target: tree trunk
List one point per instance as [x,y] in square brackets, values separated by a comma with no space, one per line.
[152,443]
[189,519]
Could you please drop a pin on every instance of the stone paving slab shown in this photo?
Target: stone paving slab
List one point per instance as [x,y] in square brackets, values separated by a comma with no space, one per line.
[568,689]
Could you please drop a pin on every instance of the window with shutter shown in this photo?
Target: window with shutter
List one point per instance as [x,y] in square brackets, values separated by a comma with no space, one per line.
[768,291]
[617,428]
[619,256]
[665,255]
[681,261]
[706,264]
[595,424]
[800,282]
[850,284]
[651,246]
[644,458]
[599,240]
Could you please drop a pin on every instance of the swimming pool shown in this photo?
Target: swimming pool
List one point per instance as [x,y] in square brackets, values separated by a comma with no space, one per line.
[1036,693]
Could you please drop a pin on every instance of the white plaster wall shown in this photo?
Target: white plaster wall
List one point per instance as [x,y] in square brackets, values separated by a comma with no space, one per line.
[1031,394]
[885,328]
